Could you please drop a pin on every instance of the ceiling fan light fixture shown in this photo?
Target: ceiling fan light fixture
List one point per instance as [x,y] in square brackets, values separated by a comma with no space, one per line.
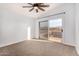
[37,6]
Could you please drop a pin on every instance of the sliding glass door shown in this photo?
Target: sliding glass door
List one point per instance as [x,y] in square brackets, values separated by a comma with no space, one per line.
[52,29]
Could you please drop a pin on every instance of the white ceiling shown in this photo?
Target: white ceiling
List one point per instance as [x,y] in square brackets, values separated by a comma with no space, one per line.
[17,7]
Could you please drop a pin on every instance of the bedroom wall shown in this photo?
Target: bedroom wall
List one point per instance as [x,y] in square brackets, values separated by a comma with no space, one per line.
[68,21]
[14,26]
[77,27]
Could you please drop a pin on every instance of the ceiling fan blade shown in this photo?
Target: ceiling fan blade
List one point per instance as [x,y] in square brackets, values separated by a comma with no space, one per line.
[31,9]
[44,5]
[40,3]
[26,6]
[37,10]
[41,8]
[30,3]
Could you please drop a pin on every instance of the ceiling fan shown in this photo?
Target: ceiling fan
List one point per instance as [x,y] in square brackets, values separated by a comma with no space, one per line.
[36,6]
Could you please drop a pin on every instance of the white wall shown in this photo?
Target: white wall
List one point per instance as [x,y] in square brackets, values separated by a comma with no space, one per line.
[13,26]
[68,21]
[77,27]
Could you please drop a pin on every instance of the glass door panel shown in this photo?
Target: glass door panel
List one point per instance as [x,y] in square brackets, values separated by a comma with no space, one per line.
[43,30]
[55,29]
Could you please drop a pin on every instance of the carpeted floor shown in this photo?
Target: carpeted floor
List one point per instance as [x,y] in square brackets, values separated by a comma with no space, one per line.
[38,48]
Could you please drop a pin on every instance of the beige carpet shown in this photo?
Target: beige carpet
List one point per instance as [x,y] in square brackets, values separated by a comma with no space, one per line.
[38,48]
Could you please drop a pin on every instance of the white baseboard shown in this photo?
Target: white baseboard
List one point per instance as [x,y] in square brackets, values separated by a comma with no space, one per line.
[77,49]
[69,44]
[10,43]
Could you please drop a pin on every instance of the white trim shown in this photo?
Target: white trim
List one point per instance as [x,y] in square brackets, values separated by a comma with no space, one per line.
[77,49]
[6,44]
[73,44]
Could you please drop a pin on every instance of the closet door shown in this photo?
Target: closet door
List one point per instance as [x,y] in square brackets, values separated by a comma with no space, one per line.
[43,30]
